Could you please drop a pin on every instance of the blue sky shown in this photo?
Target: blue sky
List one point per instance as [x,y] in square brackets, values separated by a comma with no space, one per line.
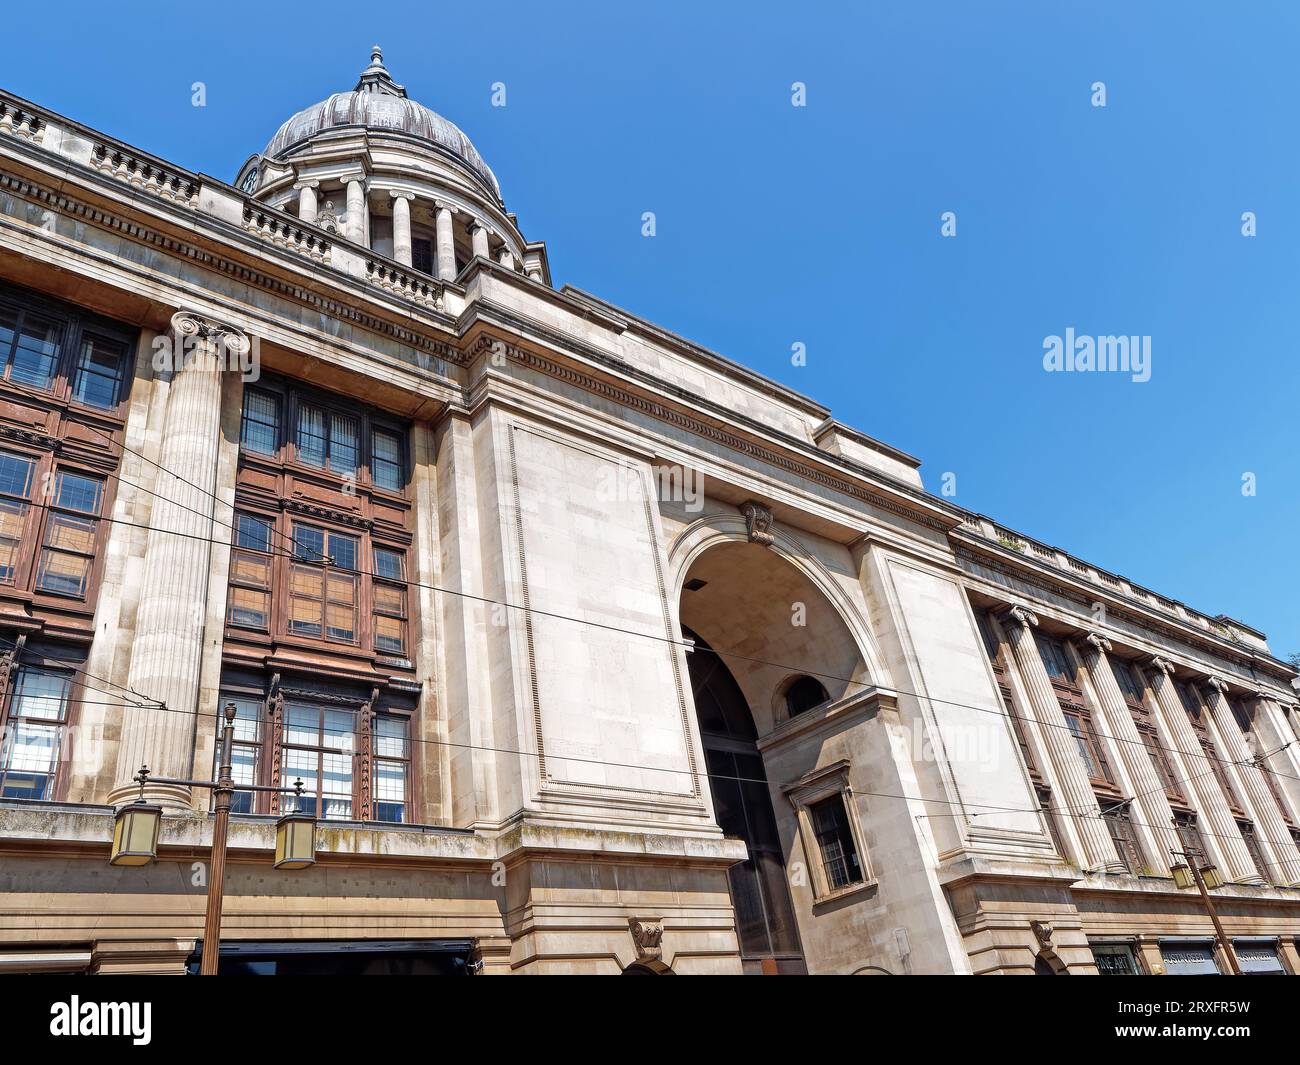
[821,224]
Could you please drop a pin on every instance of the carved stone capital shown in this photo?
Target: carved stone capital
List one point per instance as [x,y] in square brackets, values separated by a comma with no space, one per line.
[1021,616]
[307,183]
[758,523]
[402,194]
[208,331]
[1098,641]
[647,933]
[1160,665]
[443,205]
[1216,684]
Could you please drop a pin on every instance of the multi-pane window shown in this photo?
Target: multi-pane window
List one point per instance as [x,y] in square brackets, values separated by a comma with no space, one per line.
[318,749]
[97,377]
[1127,682]
[391,743]
[259,428]
[328,439]
[1055,658]
[250,573]
[839,854]
[1120,826]
[34,733]
[386,466]
[246,750]
[1090,749]
[68,549]
[16,472]
[389,602]
[1189,835]
[29,345]
[323,585]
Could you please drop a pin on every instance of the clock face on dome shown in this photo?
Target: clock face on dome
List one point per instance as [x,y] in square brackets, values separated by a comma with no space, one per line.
[250,182]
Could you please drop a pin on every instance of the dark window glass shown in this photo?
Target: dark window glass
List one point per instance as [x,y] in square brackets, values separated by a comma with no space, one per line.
[1055,658]
[1115,959]
[98,377]
[1262,864]
[839,855]
[30,349]
[1126,680]
[259,428]
[422,255]
[803,694]
[1120,826]
[386,466]
[327,440]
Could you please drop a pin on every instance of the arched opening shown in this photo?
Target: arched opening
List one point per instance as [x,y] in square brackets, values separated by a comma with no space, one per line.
[648,968]
[763,631]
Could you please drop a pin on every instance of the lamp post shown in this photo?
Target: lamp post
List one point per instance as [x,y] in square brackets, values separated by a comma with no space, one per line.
[135,835]
[1190,870]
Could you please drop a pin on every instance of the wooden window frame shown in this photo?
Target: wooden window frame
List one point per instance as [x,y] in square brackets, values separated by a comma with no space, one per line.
[1119,824]
[54,512]
[830,782]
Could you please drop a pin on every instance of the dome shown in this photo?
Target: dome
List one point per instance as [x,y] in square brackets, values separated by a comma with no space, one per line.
[378,103]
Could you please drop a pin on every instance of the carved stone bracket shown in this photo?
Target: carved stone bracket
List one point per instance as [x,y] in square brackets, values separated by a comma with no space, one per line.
[758,523]
[1098,641]
[647,932]
[1021,616]
[1161,665]
[1043,933]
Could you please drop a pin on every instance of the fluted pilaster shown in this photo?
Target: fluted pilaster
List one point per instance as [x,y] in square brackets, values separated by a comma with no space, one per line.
[168,645]
[1273,832]
[1150,799]
[1071,773]
[1219,824]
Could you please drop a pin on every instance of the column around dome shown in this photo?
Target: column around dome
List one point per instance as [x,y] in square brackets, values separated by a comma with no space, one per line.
[402,227]
[446,242]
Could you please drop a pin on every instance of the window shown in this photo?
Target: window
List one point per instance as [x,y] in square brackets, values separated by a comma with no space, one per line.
[1055,658]
[1262,864]
[1115,959]
[16,472]
[71,529]
[1189,957]
[34,734]
[246,751]
[327,439]
[1045,806]
[1258,956]
[29,345]
[323,585]
[802,694]
[389,602]
[317,749]
[97,379]
[839,854]
[1120,827]
[387,469]
[1127,682]
[250,573]
[1190,838]
[259,428]
[422,255]
[1090,749]
[392,761]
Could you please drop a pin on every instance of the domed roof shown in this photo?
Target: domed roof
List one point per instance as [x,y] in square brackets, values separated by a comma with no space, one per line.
[381,104]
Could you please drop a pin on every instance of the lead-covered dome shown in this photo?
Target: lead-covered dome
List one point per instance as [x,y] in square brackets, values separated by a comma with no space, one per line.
[379,103]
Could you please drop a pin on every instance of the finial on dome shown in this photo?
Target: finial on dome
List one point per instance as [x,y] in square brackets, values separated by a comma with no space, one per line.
[375,78]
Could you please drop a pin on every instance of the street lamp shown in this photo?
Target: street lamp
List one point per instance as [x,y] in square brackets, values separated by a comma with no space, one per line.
[135,835]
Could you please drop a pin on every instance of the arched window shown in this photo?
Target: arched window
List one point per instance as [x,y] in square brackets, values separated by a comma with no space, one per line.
[802,694]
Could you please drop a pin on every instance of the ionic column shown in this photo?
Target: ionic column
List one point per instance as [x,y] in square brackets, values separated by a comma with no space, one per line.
[170,620]
[402,227]
[356,224]
[1219,826]
[478,235]
[506,258]
[1150,799]
[307,206]
[446,243]
[1098,849]
[1273,832]
[1270,723]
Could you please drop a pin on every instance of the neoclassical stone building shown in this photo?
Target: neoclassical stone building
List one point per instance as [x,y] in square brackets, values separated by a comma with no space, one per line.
[595,651]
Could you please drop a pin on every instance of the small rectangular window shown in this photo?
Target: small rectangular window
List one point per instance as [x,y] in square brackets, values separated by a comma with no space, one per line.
[250,573]
[392,761]
[31,349]
[98,377]
[34,734]
[839,854]
[16,472]
[68,550]
[259,428]
[386,466]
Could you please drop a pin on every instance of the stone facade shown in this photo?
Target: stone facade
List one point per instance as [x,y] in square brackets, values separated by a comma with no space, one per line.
[543,600]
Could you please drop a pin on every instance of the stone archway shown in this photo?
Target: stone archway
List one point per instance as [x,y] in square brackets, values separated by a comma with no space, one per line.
[758,615]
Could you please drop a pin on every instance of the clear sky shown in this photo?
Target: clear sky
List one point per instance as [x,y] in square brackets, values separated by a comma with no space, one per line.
[821,224]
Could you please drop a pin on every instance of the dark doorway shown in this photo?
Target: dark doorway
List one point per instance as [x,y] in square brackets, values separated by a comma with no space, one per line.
[769,937]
